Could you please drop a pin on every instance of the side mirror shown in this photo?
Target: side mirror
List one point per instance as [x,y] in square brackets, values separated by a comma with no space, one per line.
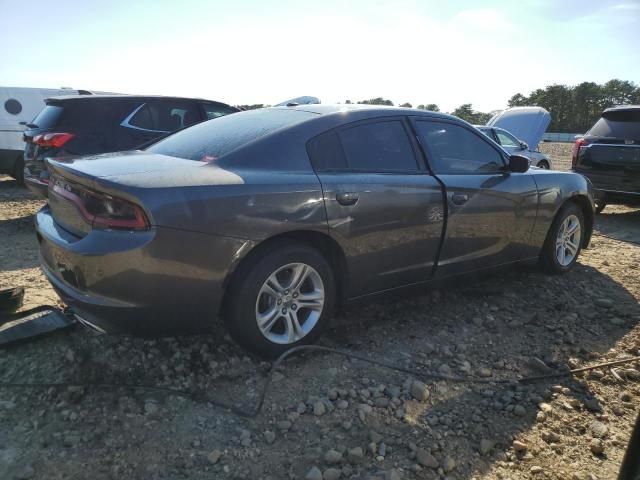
[524,146]
[519,163]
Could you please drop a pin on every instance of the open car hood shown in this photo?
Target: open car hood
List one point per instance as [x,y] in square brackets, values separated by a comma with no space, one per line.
[526,123]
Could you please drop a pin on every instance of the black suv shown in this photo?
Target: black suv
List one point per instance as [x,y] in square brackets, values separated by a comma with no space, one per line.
[609,155]
[83,125]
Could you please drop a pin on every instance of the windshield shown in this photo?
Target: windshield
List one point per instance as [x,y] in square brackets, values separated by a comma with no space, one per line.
[209,141]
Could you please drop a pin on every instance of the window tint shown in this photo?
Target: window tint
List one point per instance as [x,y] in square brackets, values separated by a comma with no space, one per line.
[209,141]
[507,140]
[379,146]
[142,118]
[621,124]
[164,116]
[215,110]
[326,153]
[454,149]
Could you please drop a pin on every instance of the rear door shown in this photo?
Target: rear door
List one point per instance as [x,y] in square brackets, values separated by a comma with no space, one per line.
[610,156]
[490,211]
[383,207]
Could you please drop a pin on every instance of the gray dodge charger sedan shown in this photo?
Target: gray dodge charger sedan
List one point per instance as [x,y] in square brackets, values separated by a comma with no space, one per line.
[270,218]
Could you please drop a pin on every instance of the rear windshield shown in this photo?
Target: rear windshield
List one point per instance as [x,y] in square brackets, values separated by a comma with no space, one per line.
[48,117]
[210,140]
[623,124]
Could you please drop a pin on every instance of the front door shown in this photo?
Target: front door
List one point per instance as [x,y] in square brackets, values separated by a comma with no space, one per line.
[383,207]
[490,211]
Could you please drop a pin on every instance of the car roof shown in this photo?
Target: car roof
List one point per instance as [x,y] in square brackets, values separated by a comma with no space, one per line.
[99,97]
[365,110]
[622,108]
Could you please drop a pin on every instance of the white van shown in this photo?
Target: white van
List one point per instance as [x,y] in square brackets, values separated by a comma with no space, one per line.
[19,106]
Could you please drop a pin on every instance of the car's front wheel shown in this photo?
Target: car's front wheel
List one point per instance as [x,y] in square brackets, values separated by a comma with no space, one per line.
[564,240]
[543,164]
[280,299]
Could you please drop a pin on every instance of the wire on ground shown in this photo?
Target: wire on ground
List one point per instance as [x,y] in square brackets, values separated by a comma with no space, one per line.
[199,397]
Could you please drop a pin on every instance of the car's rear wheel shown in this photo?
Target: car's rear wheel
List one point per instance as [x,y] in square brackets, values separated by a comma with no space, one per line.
[281,299]
[543,164]
[564,240]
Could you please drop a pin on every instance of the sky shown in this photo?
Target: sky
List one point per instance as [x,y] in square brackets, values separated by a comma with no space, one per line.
[245,52]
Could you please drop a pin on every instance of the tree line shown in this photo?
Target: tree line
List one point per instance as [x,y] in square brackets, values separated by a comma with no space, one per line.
[573,109]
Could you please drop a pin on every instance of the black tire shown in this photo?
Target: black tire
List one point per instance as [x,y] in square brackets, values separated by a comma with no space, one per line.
[548,256]
[242,297]
[543,164]
[18,171]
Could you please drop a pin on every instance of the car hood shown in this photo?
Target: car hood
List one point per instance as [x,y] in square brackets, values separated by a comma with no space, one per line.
[526,123]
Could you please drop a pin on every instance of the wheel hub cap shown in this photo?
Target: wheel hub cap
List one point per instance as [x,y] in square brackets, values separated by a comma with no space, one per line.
[290,303]
[568,240]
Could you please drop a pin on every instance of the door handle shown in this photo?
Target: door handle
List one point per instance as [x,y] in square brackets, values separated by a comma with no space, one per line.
[347,198]
[459,198]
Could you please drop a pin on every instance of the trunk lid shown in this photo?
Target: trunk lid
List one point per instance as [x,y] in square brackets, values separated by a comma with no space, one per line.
[526,123]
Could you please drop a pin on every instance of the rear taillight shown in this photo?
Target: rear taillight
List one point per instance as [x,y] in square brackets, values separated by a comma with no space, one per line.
[101,210]
[55,140]
[580,142]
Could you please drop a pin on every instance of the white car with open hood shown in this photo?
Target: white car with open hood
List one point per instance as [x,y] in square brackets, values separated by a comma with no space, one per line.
[520,130]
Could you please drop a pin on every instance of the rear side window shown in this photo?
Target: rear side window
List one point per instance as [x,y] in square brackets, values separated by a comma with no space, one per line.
[48,116]
[379,146]
[621,124]
[209,141]
[213,110]
[163,116]
[326,153]
[371,147]
[455,150]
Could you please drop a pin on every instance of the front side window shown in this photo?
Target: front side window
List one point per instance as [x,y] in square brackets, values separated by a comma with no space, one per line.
[452,149]
[506,139]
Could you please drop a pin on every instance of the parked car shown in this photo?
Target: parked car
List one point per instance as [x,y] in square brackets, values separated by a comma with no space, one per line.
[271,217]
[18,106]
[520,130]
[85,125]
[609,155]
[513,145]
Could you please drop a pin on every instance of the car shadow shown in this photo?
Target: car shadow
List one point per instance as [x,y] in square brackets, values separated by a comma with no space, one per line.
[496,325]
[620,223]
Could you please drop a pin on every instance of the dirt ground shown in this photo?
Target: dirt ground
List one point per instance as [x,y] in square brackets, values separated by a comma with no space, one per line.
[328,417]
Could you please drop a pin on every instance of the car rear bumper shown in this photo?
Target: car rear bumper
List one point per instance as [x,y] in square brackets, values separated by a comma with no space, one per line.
[617,196]
[156,282]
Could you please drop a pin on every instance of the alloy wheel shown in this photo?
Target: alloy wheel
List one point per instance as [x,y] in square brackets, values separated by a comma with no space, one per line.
[290,303]
[568,240]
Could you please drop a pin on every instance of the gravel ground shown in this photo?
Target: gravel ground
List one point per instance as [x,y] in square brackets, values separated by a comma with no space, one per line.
[560,154]
[327,417]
